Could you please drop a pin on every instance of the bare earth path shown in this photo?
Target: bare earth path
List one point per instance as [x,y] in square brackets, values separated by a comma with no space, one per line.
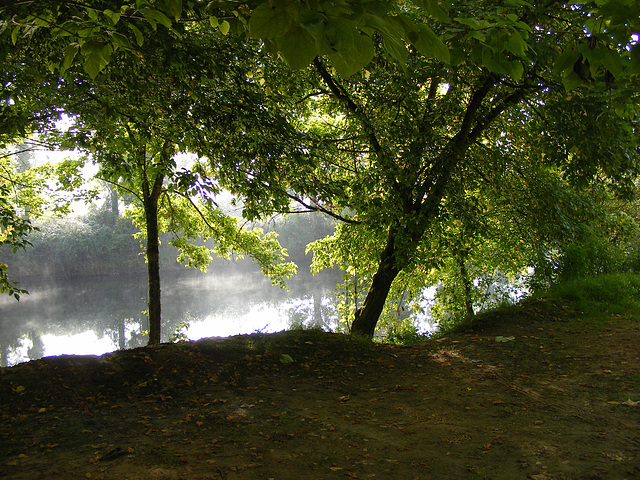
[559,400]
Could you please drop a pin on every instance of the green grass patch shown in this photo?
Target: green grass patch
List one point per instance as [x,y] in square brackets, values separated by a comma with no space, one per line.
[600,295]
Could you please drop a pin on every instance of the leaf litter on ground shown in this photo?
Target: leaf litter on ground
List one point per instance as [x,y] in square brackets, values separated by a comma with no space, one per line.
[464,406]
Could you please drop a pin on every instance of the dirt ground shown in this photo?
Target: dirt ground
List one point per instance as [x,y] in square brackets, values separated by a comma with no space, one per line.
[532,392]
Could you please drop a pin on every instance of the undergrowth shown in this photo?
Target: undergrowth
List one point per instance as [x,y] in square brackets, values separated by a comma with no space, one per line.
[598,295]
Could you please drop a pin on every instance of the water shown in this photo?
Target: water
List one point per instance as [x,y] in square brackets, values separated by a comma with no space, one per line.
[95,315]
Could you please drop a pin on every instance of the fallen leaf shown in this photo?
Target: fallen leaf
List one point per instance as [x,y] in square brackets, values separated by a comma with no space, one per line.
[631,403]
[284,358]
[500,338]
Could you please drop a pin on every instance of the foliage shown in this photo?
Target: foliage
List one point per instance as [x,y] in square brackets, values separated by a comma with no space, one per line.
[140,113]
[94,244]
[299,31]
[485,164]
[594,295]
[29,192]
[453,140]
[180,334]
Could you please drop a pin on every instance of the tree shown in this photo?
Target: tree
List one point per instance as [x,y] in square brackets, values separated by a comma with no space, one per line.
[137,116]
[133,119]
[402,101]
[297,30]
[397,150]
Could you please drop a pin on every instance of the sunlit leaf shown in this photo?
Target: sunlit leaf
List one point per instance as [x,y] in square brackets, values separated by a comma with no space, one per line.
[70,53]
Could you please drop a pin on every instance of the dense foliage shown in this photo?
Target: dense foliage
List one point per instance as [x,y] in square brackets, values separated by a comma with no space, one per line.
[458,143]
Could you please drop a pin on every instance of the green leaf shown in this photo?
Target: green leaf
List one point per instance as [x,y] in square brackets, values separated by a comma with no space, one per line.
[156,16]
[352,61]
[517,70]
[436,10]
[225,27]
[284,358]
[497,62]
[173,8]
[430,45]
[267,22]
[298,48]
[70,53]
[120,41]
[571,81]
[515,44]
[138,34]
[500,338]
[396,47]
[340,34]
[113,17]
[613,62]
[565,61]
[96,56]
[92,14]
[314,23]
[473,23]
[14,34]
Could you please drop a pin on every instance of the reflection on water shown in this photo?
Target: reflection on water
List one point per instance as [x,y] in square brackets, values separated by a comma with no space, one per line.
[95,315]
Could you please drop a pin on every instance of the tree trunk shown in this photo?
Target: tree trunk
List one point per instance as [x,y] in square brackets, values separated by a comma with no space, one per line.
[367,317]
[114,202]
[153,261]
[468,288]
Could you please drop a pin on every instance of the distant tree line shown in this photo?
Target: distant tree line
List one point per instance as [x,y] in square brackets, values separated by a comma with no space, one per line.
[103,243]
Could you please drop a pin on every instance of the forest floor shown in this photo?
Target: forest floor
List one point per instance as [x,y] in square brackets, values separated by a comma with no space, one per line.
[532,392]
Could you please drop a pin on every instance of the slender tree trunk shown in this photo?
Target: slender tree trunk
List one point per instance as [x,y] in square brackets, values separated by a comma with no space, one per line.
[317,310]
[467,285]
[115,211]
[367,317]
[153,261]
[121,338]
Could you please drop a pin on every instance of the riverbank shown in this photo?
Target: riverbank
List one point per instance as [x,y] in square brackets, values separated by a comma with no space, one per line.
[535,391]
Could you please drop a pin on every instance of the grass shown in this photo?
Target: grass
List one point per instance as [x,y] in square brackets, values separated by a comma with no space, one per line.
[594,298]
[614,294]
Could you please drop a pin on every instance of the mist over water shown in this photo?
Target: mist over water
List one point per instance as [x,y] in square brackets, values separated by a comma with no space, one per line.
[99,314]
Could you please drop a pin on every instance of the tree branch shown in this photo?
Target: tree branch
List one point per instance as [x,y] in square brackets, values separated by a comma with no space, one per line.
[341,94]
[320,208]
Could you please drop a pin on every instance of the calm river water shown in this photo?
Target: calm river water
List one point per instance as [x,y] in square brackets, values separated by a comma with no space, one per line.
[95,315]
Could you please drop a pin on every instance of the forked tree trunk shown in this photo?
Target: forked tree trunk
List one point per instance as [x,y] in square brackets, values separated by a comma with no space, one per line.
[366,318]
